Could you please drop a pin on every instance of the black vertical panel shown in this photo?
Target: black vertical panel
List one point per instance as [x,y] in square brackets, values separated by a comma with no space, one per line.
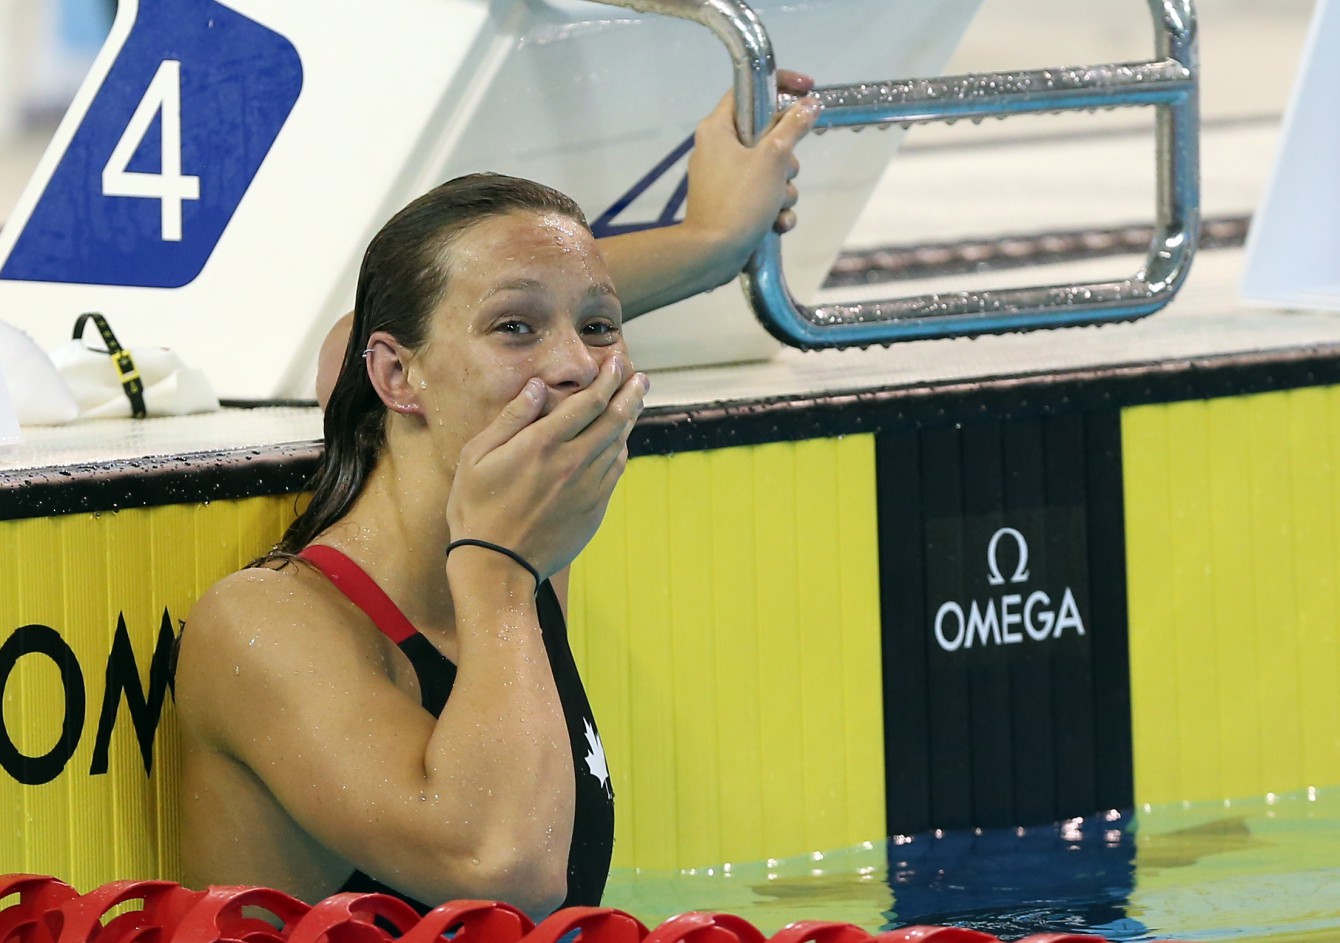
[1006,536]
[948,710]
[1110,643]
[1072,679]
[1031,715]
[990,745]
[902,576]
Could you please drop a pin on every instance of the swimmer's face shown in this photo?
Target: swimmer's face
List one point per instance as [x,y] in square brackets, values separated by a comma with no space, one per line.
[528,295]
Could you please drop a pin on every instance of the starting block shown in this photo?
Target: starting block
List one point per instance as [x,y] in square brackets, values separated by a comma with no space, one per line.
[215,181]
[1293,246]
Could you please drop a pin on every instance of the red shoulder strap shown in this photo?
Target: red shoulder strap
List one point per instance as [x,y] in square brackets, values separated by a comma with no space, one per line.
[348,577]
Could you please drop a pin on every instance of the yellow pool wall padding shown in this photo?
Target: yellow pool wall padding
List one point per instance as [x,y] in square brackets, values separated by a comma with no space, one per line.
[1232,531]
[727,620]
[79,574]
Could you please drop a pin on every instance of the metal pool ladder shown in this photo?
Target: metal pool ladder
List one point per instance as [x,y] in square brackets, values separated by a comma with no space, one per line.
[1169,83]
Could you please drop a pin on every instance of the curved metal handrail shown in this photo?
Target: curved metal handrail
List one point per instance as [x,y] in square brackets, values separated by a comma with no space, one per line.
[1168,83]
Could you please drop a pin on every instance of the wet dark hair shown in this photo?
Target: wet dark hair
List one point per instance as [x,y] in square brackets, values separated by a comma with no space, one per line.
[402,279]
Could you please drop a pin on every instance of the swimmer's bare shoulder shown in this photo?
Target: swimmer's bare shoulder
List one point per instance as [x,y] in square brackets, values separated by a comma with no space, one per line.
[264,633]
[290,716]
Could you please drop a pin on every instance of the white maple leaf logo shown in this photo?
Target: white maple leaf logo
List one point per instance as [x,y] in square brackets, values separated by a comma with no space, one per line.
[595,760]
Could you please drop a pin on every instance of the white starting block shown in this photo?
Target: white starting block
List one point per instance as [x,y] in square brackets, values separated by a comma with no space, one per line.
[1293,248]
[215,181]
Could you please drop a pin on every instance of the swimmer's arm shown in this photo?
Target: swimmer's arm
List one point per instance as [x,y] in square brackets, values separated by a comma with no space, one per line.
[736,195]
[658,267]
[478,804]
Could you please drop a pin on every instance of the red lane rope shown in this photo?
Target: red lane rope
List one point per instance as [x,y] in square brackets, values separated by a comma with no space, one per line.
[48,910]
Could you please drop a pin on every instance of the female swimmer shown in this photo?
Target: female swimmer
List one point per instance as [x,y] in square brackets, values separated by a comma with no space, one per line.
[482,413]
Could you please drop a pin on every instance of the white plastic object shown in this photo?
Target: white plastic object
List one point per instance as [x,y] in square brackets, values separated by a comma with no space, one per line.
[1293,246]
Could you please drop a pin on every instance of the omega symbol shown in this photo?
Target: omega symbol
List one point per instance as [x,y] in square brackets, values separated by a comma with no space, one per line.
[992,565]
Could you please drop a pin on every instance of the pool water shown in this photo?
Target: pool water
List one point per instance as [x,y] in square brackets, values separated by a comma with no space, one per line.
[1264,869]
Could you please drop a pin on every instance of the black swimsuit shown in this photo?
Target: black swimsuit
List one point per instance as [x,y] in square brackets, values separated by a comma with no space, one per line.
[593,822]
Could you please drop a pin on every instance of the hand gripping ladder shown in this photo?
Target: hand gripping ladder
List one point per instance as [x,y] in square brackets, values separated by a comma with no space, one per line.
[1169,83]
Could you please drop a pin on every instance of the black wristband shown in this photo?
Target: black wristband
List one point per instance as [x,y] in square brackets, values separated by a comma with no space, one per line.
[496,548]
